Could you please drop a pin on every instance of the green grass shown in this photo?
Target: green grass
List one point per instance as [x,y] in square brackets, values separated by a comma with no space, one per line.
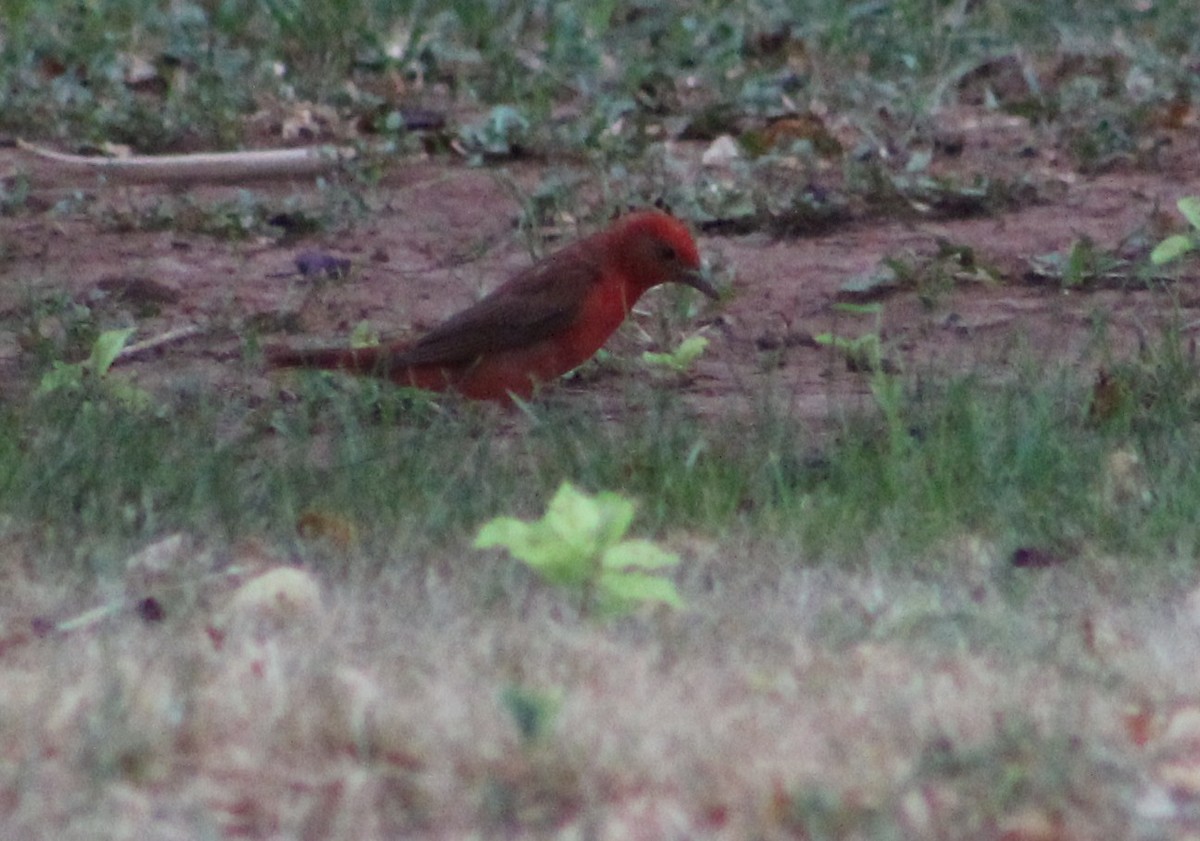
[65,66]
[1021,463]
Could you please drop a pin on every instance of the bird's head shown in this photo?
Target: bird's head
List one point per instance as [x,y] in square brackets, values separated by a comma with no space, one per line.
[653,248]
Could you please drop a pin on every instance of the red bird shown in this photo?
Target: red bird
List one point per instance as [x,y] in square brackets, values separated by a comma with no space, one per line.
[538,325]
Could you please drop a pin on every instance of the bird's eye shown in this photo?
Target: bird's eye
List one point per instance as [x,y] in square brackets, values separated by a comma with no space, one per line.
[667,253]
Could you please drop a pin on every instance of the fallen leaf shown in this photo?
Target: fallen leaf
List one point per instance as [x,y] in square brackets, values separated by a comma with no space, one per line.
[1034,557]
[310,263]
[318,525]
[284,596]
[151,610]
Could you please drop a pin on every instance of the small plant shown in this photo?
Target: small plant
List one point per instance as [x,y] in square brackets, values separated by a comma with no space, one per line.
[14,195]
[578,545]
[1083,265]
[501,134]
[864,353]
[681,359]
[1177,245]
[364,335]
[73,376]
[533,711]
[930,276]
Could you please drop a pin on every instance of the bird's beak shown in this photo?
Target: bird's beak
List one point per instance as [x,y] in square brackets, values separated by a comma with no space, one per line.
[695,279]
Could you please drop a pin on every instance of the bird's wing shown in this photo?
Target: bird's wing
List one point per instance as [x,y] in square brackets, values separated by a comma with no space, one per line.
[534,305]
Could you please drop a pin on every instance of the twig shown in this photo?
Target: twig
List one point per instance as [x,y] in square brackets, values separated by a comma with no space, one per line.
[169,337]
[206,167]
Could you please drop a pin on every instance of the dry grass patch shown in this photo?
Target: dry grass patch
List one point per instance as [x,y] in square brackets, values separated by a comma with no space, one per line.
[456,695]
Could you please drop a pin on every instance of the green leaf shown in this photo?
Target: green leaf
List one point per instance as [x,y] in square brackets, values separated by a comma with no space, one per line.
[843,343]
[638,588]
[105,350]
[1172,248]
[589,524]
[537,546]
[1079,264]
[681,358]
[638,554]
[858,309]
[132,396]
[505,532]
[1189,206]
[616,516]
[60,375]
[574,519]
[532,711]
[363,335]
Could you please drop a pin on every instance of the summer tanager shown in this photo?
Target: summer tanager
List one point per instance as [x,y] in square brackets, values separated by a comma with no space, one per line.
[540,324]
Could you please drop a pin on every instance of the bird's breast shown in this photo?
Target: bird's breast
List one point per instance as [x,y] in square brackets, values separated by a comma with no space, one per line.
[603,310]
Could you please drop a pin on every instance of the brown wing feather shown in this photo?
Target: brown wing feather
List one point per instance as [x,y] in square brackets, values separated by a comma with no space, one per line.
[535,305]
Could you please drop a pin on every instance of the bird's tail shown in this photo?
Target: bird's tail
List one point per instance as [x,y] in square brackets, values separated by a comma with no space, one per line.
[386,361]
[365,360]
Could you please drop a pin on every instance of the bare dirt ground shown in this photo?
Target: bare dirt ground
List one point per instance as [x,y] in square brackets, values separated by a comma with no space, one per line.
[443,234]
